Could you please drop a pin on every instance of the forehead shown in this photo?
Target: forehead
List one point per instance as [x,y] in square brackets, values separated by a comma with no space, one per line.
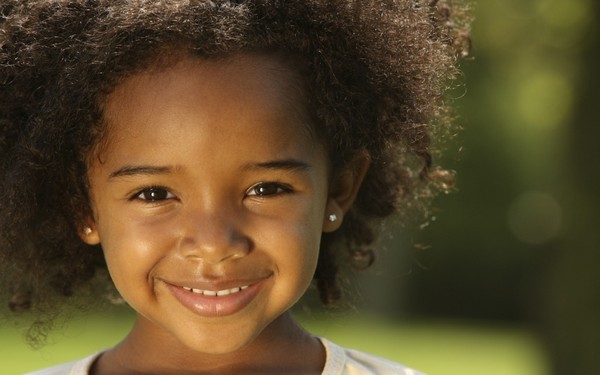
[225,92]
[240,74]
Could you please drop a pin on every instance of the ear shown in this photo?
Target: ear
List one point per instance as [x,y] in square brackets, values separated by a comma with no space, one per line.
[88,232]
[343,191]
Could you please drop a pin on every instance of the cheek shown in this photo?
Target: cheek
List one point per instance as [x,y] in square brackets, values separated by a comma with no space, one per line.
[297,247]
[131,249]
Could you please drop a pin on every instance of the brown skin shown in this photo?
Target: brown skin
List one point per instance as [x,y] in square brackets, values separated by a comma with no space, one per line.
[374,73]
[210,178]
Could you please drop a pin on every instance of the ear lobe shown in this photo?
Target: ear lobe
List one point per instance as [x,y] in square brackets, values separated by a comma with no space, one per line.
[343,191]
[89,233]
[334,216]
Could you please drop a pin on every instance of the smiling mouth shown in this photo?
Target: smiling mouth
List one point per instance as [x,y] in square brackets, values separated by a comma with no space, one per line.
[215,302]
[216,293]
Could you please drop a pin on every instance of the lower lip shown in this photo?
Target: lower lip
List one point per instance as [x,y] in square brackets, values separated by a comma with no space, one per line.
[214,306]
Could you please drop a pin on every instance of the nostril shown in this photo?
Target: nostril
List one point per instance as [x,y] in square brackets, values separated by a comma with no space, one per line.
[213,248]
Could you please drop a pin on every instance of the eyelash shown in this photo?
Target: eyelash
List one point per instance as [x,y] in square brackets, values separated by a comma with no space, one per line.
[165,194]
[153,190]
[279,189]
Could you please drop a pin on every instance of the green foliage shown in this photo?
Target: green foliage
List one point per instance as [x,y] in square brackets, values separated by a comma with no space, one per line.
[519,240]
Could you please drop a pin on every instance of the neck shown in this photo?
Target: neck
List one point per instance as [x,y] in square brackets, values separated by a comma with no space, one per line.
[282,347]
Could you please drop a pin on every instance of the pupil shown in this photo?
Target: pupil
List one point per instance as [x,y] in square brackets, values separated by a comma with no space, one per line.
[155,194]
[267,189]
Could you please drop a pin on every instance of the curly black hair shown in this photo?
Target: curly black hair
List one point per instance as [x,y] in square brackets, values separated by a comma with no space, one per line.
[375,74]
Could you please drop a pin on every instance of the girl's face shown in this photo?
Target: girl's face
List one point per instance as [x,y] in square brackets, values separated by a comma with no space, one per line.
[210,183]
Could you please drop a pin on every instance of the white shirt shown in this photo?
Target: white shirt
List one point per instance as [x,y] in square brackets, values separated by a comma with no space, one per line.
[339,361]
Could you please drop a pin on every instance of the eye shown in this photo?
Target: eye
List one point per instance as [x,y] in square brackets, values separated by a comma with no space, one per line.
[268,188]
[153,194]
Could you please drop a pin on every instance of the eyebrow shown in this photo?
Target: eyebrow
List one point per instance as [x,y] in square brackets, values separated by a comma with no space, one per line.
[138,170]
[291,165]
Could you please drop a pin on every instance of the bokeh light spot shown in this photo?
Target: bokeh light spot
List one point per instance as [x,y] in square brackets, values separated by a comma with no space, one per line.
[534,217]
[545,99]
[572,14]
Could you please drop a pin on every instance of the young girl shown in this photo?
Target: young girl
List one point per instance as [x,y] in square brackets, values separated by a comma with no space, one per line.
[215,157]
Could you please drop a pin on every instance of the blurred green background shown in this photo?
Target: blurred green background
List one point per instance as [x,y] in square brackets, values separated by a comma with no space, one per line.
[506,278]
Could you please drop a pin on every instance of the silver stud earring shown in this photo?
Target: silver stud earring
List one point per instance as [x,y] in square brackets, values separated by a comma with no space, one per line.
[87,231]
[332,217]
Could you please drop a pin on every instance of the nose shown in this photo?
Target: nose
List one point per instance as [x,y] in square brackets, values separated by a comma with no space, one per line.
[213,237]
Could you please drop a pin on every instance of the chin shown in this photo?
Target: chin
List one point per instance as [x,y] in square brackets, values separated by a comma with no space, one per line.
[217,344]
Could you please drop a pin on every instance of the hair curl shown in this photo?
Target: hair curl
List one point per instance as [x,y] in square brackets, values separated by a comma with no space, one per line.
[375,74]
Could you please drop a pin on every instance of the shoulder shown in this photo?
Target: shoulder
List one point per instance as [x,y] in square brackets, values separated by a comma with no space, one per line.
[343,361]
[79,367]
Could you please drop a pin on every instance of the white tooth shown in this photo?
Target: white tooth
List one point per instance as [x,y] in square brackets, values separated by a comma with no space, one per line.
[211,293]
